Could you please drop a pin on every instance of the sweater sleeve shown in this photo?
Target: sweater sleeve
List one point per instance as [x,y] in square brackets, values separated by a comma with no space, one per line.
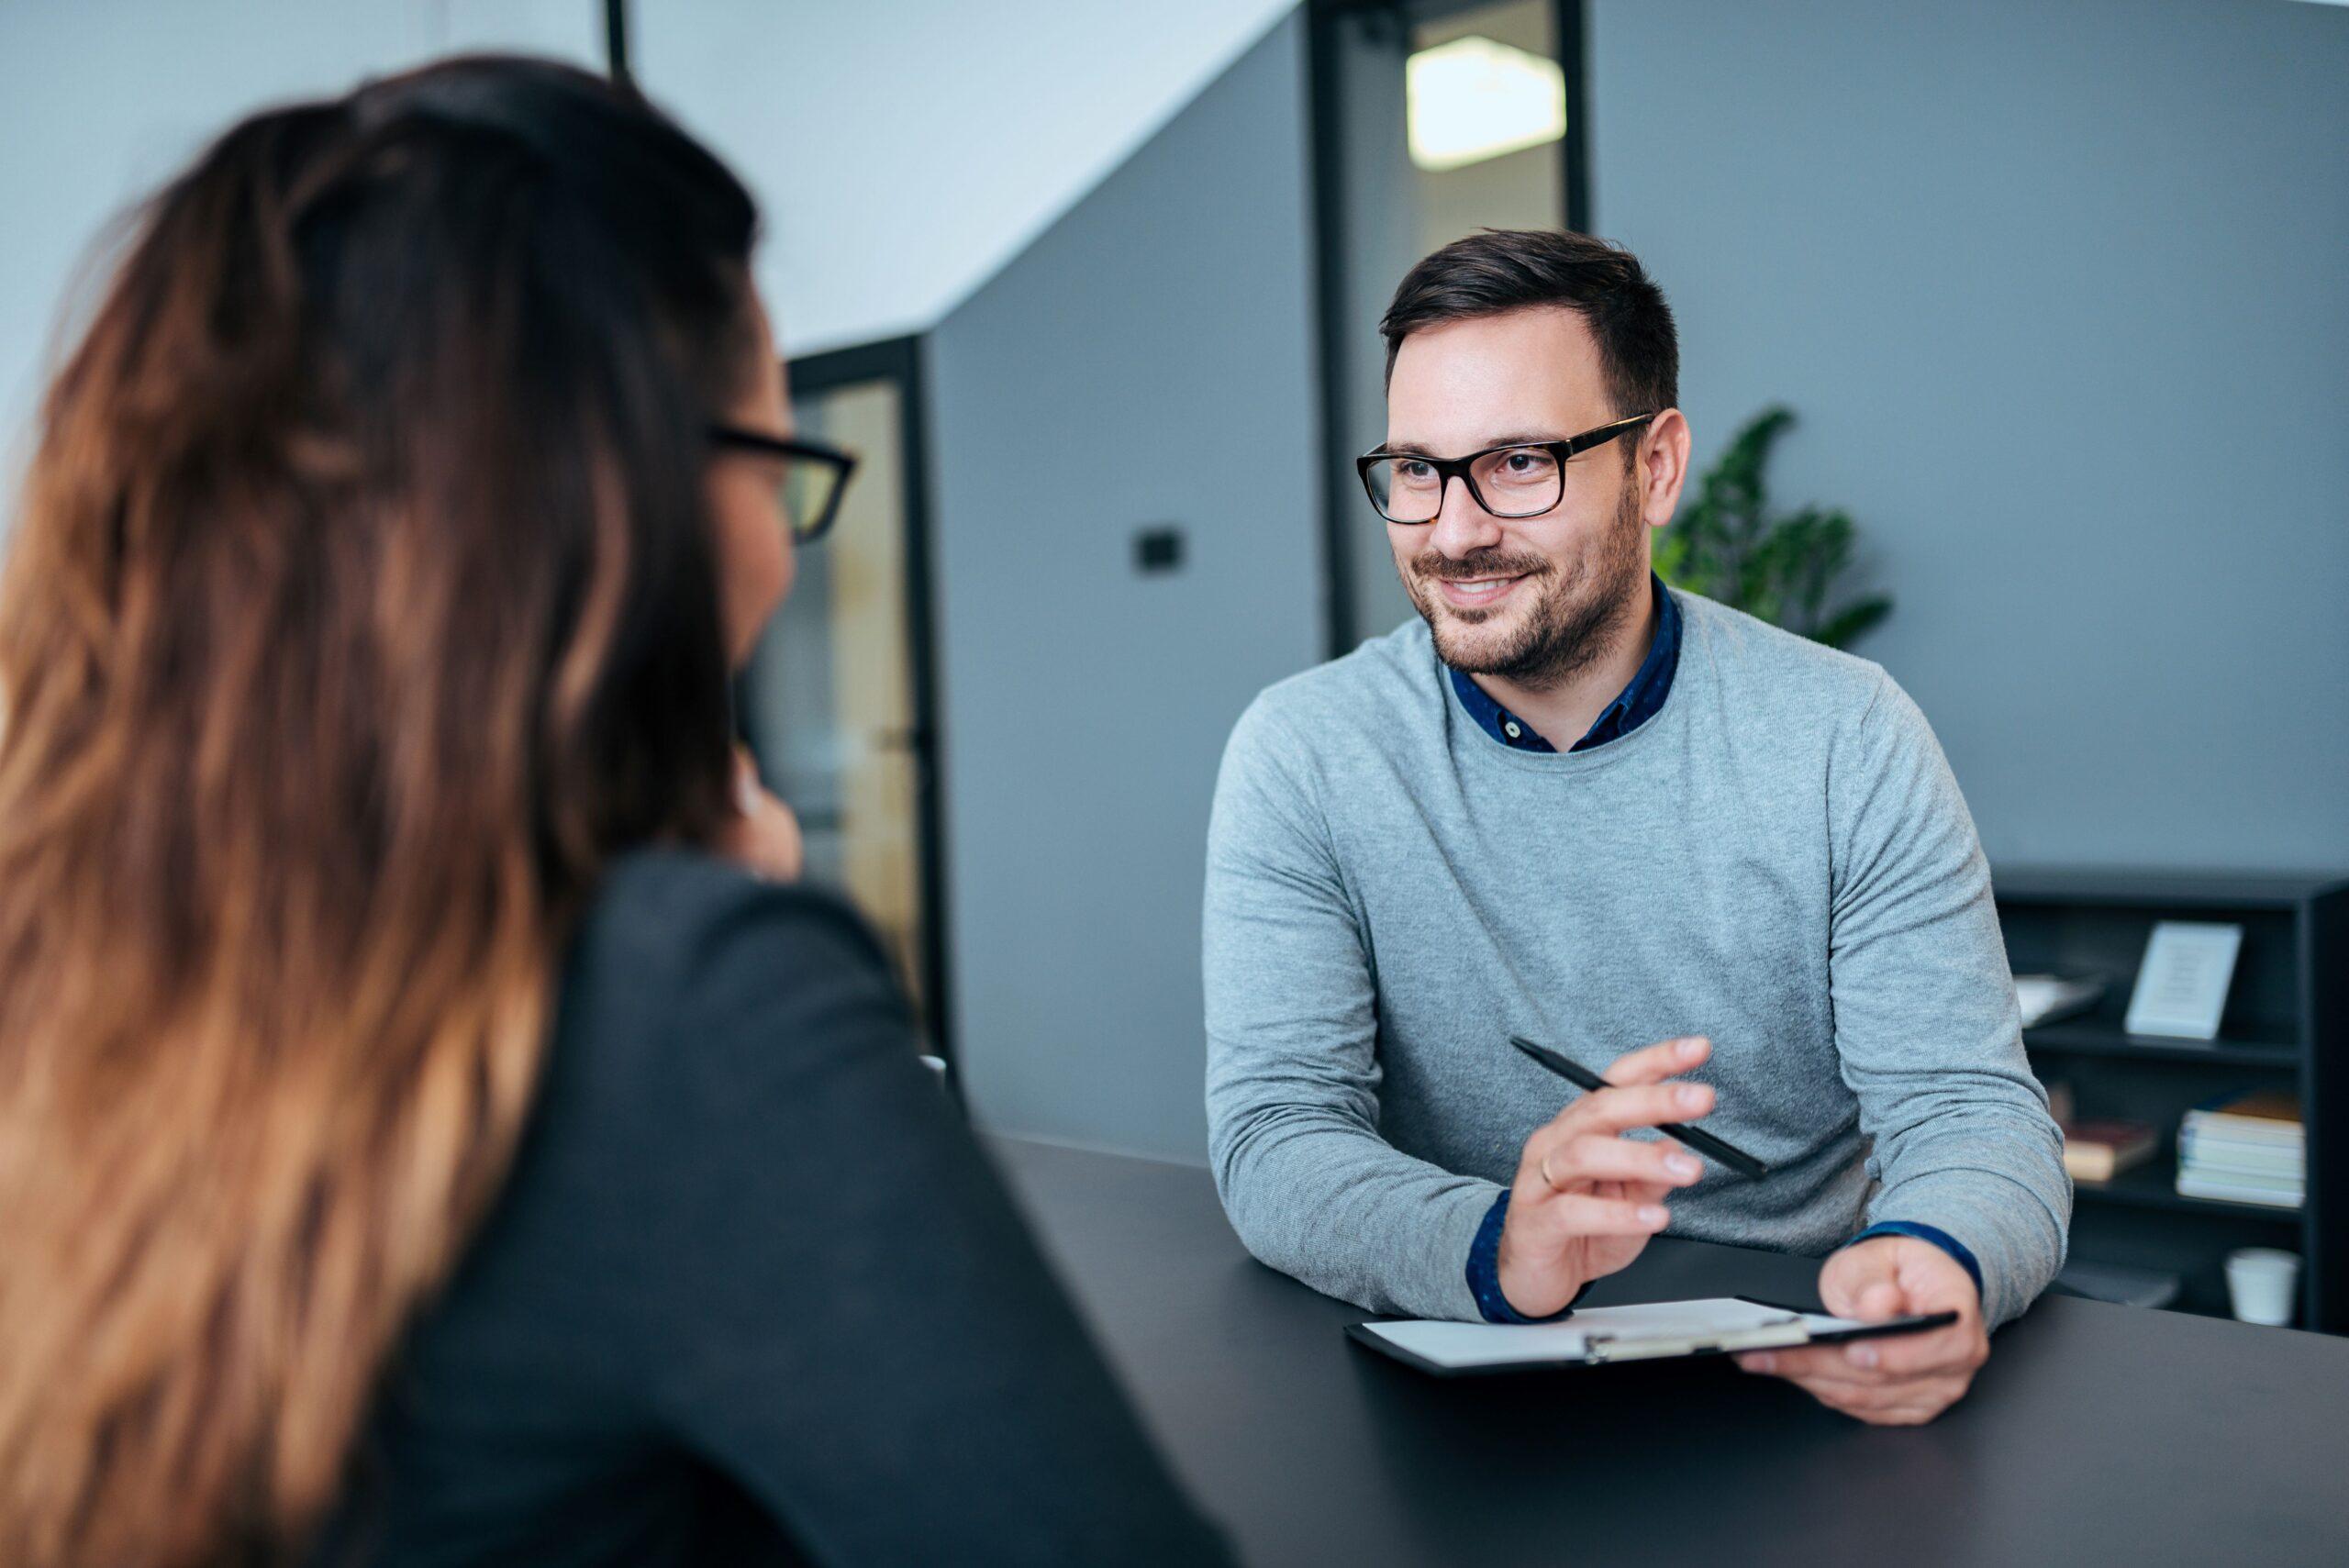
[1293,1075]
[847,1316]
[1926,1024]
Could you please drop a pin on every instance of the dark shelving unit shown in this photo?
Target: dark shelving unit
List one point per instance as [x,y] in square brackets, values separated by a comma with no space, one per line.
[2071,1037]
[2286,1027]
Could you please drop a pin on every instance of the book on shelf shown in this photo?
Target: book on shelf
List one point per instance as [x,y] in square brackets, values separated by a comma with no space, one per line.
[2200,1152]
[2099,1150]
[2241,1189]
[2268,1118]
[2246,1149]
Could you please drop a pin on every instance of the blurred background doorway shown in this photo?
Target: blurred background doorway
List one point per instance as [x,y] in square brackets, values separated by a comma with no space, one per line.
[839,701]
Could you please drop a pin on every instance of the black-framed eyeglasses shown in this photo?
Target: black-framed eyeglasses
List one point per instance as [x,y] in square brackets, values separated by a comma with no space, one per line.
[1522,481]
[814,475]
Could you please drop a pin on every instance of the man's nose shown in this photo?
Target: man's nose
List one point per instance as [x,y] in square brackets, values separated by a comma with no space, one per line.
[1462,526]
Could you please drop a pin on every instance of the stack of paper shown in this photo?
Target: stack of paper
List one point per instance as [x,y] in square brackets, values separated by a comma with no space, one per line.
[2044,998]
[2251,1149]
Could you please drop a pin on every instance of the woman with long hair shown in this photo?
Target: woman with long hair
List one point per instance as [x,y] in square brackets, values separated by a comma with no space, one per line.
[420,1139]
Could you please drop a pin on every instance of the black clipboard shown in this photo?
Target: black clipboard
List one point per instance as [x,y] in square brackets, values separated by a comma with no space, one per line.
[1790,1332]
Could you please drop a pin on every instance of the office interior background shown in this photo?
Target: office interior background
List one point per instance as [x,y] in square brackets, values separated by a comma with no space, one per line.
[2054,288]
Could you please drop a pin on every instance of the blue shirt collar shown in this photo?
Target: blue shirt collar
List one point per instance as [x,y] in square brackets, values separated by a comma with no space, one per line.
[1634,707]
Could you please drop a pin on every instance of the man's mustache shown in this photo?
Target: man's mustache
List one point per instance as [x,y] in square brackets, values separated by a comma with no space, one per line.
[1442,568]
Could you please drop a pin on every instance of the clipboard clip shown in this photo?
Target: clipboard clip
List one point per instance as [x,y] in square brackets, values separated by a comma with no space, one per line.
[1778,1333]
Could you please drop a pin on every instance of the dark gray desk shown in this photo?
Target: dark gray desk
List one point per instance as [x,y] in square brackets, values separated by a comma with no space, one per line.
[2098,1435]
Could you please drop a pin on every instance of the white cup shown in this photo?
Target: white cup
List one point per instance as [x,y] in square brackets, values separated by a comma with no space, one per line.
[2259,1281]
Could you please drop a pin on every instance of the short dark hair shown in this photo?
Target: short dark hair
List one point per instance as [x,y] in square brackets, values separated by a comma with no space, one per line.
[1498,270]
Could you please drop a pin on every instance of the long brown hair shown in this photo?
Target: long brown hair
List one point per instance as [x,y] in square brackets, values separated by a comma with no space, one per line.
[361,607]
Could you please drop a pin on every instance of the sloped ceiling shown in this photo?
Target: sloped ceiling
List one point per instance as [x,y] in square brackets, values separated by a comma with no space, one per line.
[903,151]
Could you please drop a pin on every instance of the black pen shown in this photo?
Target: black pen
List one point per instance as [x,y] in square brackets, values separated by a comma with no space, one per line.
[1695,1138]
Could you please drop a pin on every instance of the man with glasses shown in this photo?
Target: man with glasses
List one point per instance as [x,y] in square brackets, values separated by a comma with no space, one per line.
[1726,865]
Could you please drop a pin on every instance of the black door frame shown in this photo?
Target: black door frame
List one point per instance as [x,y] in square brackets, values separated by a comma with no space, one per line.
[898,360]
[616,39]
[1323,88]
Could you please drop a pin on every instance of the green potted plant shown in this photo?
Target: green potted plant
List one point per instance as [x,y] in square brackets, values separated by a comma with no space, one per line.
[1727,545]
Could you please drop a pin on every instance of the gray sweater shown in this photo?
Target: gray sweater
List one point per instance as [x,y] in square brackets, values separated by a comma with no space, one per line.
[1780,859]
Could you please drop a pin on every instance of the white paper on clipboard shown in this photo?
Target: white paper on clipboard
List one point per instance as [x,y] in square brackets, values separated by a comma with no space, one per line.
[1599,1335]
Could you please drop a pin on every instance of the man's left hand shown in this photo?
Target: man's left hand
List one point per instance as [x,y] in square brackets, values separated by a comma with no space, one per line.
[1904,1380]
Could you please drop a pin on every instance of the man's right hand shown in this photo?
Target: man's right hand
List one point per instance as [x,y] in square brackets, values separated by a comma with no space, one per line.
[1586,1198]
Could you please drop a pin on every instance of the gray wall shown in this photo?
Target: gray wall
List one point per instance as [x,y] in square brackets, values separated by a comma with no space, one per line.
[2060,294]
[1148,361]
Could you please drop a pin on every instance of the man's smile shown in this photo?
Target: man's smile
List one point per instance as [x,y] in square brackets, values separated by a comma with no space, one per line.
[1476,592]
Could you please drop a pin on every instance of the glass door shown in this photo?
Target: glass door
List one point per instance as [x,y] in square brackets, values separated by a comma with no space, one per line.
[837,701]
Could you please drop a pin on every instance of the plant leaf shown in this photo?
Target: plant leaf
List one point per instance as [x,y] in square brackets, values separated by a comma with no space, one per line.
[1726,545]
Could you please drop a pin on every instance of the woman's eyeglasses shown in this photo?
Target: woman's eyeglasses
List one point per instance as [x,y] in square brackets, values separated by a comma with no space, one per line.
[814,475]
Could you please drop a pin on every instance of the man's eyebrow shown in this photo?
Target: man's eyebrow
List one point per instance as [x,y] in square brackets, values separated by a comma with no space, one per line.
[1509,438]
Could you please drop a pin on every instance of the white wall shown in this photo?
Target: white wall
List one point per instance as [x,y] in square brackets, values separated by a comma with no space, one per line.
[903,151]
[104,99]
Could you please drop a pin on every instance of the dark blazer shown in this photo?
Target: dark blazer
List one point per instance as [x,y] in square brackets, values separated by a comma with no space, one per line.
[751,1294]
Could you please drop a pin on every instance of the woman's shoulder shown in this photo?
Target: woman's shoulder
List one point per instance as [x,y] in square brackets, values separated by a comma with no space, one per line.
[715,1038]
[683,958]
[670,915]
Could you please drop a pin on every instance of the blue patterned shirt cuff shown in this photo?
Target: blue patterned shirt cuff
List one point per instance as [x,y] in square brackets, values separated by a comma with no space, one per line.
[1484,1271]
[1933,1233]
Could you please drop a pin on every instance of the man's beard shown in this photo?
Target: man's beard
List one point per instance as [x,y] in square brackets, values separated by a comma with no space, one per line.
[1571,623]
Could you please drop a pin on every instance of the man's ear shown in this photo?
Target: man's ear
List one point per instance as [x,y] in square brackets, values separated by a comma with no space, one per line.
[1662,466]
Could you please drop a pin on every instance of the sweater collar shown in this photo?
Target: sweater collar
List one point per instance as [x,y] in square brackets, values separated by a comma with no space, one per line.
[1634,705]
